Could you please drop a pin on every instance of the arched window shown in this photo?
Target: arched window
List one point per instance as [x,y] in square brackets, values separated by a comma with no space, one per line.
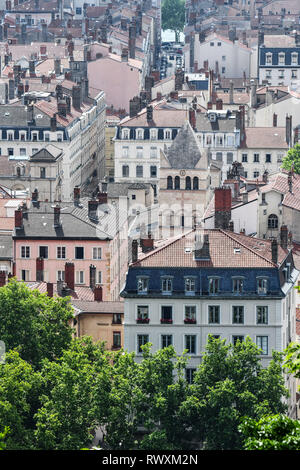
[18,171]
[125,170]
[195,182]
[188,184]
[169,182]
[272,221]
[177,182]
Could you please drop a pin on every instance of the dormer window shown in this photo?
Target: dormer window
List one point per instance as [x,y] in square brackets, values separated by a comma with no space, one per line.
[166,285]
[190,285]
[10,135]
[214,285]
[262,286]
[237,285]
[269,58]
[294,58]
[168,134]
[125,134]
[142,285]
[281,58]
[153,134]
[140,134]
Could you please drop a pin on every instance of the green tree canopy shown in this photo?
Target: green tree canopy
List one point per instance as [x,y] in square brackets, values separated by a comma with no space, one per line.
[33,323]
[292,159]
[173,16]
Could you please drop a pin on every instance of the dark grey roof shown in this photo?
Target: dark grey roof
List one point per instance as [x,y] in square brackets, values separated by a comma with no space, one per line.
[121,189]
[75,223]
[184,151]
[227,124]
[17,116]
[6,247]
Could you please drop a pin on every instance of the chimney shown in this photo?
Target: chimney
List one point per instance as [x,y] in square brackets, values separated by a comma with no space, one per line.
[53,123]
[43,52]
[76,96]
[92,209]
[98,293]
[76,195]
[68,104]
[59,287]
[274,249]
[57,66]
[284,237]
[201,248]
[209,105]
[245,198]
[219,104]
[253,96]
[124,55]
[131,40]
[92,276]
[192,118]
[231,100]
[288,129]
[231,226]
[124,24]
[290,181]
[62,107]
[102,197]
[147,244]
[39,269]
[50,289]
[57,216]
[265,176]
[242,125]
[274,120]
[11,89]
[134,252]
[223,201]
[18,218]
[2,278]
[70,275]
[149,113]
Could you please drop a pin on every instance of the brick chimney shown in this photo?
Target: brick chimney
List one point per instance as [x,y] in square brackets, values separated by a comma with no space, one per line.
[18,218]
[149,113]
[70,275]
[219,104]
[76,195]
[92,209]
[98,294]
[131,40]
[147,244]
[92,276]
[76,96]
[284,237]
[275,120]
[57,216]
[50,289]
[124,55]
[53,123]
[192,118]
[39,269]
[134,251]
[223,201]
[102,198]
[274,249]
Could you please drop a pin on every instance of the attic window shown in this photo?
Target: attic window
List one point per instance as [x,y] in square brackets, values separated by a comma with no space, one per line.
[236,251]
[188,249]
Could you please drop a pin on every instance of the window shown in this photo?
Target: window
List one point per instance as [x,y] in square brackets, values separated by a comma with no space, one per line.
[116,339]
[223,57]
[219,140]
[117,319]
[213,285]
[59,137]
[256,157]
[125,152]
[47,136]
[268,73]
[141,341]
[294,58]
[153,171]
[34,151]
[189,285]
[213,314]
[195,183]
[212,44]
[139,152]
[168,134]
[219,44]
[79,252]
[140,134]
[244,157]
[237,338]
[43,172]
[60,275]
[223,69]
[79,277]
[268,158]
[188,184]
[22,152]
[166,285]
[281,58]
[262,343]
[125,170]
[166,314]
[273,221]
[25,251]
[34,136]
[190,343]
[78,11]
[294,74]
[10,151]
[269,58]
[139,171]
[25,275]
[219,156]
[153,135]
[10,135]
[281,74]
[22,136]
[229,157]
[61,252]
[208,140]
[125,134]
[189,375]
[142,314]
[177,182]
[237,286]
[261,315]
[97,253]
[230,140]
[262,285]
[99,277]
[153,152]
[142,285]
[169,182]
[190,314]
[43,250]
[166,340]
[238,314]
[255,174]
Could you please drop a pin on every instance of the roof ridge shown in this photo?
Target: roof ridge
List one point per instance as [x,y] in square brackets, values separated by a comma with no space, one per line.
[247,247]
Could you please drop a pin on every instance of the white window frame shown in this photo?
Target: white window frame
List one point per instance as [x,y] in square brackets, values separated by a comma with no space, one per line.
[98,249]
[26,247]
[60,248]
[79,276]
[260,337]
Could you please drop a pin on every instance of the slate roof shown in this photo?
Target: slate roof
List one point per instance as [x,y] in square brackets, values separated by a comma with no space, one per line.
[48,154]
[161,118]
[203,124]
[6,247]
[184,151]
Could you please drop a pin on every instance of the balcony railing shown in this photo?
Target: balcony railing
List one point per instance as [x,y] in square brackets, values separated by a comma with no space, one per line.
[166,320]
[190,321]
[142,320]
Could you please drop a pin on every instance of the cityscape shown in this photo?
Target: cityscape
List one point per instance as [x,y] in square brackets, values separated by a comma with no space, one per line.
[149,227]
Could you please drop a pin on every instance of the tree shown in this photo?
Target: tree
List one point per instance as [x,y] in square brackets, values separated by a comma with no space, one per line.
[230,384]
[292,159]
[173,16]
[33,323]
[277,432]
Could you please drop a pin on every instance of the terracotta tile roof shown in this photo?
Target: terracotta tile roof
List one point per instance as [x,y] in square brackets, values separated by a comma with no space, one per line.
[266,137]
[98,307]
[95,12]
[50,108]
[238,98]
[253,252]
[237,202]
[81,293]
[161,118]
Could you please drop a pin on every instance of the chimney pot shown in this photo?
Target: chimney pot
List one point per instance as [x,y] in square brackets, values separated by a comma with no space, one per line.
[69,275]
[98,294]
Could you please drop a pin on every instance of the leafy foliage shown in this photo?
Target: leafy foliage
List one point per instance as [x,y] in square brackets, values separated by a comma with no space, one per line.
[277,432]
[292,159]
[173,16]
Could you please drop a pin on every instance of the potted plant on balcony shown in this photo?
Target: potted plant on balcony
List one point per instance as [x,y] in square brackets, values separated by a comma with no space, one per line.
[190,320]
[142,320]
[166,320]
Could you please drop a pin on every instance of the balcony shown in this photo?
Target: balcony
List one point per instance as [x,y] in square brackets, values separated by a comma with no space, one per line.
[142,320]
[166,320]
[190,321]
